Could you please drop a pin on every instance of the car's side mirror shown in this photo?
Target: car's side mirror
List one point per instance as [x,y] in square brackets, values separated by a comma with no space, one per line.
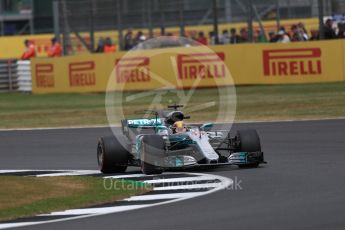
[206,127]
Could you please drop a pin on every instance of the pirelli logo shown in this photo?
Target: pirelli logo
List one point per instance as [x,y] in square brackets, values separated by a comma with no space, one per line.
[82,74]
[44,75]
[133,69]
[201,65]
[287,62]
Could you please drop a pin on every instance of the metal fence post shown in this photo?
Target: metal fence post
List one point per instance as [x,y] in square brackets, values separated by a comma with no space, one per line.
[119,23]
[228,8]
[278,14]
[321,26]
[289,9]
[215,22]
[161,9]
[56,20]
[65,28]
[250,20]
[181,16]
[149,17]
[31,21]
[92,30]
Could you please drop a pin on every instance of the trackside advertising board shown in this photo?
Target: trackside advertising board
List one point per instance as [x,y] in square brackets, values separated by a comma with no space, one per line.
[302,62]
[248,64]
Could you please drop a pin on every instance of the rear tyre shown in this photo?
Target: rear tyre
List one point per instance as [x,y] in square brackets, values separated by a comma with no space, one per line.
[249,142]
[112,157]
[153,150]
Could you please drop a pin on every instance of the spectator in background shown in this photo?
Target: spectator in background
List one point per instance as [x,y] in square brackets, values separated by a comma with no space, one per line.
[30,51]
[194,38]
[139,38]
[329,32]
[303,31]
[282,36]
[260,37]
[55,50]
[341,30]
[212,38]
[225,37]
[297,34]
[109,47]
[100,45]
[234,37]
[272,36]
[314,35]
[129,41]
[243,35]
[140,42]
[202,39]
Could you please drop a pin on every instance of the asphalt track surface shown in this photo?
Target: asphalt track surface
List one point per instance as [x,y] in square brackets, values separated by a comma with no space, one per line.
[302,187]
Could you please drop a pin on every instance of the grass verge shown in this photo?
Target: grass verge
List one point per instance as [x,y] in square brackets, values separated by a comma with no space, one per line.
[307,101]
[29,196]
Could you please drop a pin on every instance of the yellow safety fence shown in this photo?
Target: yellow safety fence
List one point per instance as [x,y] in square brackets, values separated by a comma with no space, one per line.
[13,46]
[248,64]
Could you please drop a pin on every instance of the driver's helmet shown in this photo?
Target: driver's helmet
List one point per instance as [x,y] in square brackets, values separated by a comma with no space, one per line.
[179,127]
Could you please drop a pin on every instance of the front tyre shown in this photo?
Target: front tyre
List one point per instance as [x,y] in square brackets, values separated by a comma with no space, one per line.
[112,157]
[152,151]
[249,142]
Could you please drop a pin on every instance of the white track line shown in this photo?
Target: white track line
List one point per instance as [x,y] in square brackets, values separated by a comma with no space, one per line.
[190,186]
[13,171]
[127,176]
[172,180]
[141,175]
[172,198]
[236,122]
[67,171]
[90,211]
[58,128]
[15,225]
[164,196]
[71,173]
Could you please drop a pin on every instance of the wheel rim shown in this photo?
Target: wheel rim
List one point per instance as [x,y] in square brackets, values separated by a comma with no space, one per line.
[142,167]
[100,155]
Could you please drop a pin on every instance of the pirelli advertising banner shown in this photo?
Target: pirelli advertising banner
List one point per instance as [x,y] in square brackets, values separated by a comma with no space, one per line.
[303,62]
[170,68]
[247,64]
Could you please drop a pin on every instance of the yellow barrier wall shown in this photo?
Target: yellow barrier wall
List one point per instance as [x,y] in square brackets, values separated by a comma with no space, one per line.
[138,70]
[249,64]
[305,62]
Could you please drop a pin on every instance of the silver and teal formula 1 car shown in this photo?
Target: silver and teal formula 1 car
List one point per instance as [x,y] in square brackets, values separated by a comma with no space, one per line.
[165,142]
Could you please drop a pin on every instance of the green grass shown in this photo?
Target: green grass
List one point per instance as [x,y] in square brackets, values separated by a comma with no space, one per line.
[291,102]
[253,103]
[29,196]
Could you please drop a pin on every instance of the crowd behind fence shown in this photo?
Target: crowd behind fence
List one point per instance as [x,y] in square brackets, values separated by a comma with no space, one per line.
[296,33]
[76,16]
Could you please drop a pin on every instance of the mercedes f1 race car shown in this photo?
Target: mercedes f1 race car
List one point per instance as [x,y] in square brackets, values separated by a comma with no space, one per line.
[165,142]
